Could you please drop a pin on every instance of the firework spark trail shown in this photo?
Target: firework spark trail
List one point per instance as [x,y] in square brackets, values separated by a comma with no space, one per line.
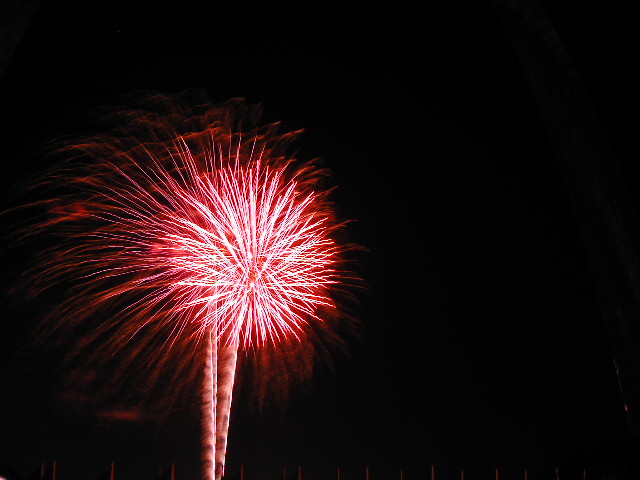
[225,378]
[212,235]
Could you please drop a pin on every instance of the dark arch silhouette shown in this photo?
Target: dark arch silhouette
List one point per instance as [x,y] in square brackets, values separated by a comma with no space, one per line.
[605,216]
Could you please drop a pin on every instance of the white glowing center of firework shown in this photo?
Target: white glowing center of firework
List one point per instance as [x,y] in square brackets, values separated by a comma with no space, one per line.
[253,259]
[253,276]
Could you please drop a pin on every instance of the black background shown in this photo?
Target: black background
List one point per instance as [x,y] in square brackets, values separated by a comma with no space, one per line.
[482,343]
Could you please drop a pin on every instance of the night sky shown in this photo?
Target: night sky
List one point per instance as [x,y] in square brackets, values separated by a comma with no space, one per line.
[482,344]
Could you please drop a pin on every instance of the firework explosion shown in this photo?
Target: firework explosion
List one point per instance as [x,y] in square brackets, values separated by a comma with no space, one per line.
[188,230]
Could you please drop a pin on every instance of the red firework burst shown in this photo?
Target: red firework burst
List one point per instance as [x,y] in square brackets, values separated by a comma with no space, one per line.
[230,239]
[198,225]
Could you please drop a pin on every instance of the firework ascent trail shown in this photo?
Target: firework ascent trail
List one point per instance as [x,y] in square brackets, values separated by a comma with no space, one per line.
[187,230]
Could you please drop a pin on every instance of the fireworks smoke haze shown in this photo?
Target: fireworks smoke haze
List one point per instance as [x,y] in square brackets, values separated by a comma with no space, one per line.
[185,235]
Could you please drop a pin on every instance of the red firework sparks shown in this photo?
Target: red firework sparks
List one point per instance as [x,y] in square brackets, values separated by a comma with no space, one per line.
[195,225]
[231,240]
[216,229]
